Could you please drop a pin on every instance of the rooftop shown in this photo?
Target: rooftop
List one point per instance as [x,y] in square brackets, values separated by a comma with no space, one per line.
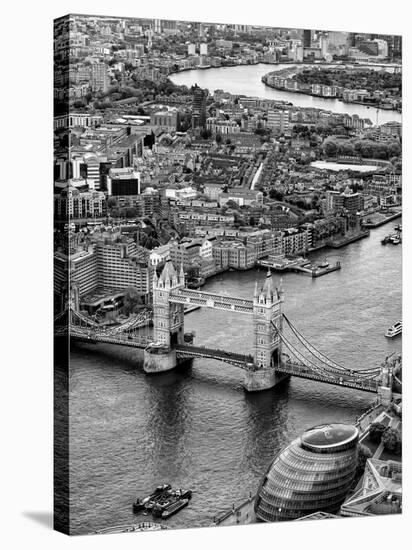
[328,436]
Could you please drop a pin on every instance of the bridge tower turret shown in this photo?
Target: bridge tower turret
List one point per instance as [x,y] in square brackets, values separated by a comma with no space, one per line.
[168,318]
[168,321]
[267,311]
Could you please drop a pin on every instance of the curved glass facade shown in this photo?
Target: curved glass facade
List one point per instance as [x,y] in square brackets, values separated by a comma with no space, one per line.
[313,473]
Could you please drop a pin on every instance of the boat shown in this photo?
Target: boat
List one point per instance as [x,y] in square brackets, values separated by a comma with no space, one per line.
[166,510]
[144,502]
[323,264]
[395,240]
[398,227]
[394,330]
[386,239]
[183,493]
[394,237]
[144,526]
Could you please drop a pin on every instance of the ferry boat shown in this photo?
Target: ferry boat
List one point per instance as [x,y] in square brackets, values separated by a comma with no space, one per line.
[394,330]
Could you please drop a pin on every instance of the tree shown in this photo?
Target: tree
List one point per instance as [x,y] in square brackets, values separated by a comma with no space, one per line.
[376,431]
[192,272]
[111,202]
[131,212]
[218,138]
[391,440]
[205,134]
[276,195]
[330,147]
[363,454]
[131,301]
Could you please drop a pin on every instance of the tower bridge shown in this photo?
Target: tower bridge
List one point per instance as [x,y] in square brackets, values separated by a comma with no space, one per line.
[278,350]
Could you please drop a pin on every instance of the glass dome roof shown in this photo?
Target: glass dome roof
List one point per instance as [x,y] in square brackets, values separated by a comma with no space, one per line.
[329,436]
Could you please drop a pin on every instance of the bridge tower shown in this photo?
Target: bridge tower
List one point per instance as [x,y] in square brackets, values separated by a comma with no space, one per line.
[267,311]
[385,391]
[168,320]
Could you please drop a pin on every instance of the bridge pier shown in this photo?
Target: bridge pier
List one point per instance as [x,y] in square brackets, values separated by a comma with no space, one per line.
[262,379]
[159,362]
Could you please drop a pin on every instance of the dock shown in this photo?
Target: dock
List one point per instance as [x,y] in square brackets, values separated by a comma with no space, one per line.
[369,223]
[301,266]
[315,272]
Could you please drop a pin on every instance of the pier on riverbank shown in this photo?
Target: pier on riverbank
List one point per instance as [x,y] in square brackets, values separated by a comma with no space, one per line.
[380,218]
[300,265]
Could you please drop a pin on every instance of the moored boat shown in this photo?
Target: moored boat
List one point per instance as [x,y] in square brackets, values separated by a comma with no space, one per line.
[143,502]
[168,509]
[394,330]
[144,526]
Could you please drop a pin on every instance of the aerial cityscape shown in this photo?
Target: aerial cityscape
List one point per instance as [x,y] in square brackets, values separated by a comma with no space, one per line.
[227,274]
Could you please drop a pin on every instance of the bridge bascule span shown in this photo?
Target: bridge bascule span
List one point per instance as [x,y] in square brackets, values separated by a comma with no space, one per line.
[278,351]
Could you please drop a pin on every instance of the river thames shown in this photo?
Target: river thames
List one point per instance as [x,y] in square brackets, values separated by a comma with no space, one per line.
[196,427]
[246,80]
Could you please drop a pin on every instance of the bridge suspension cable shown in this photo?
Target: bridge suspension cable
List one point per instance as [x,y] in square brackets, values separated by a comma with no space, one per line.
[304,360]
[364,373]
[60,315]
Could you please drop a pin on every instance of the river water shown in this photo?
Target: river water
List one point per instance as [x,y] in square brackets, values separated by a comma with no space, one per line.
[246,80]
[196,427]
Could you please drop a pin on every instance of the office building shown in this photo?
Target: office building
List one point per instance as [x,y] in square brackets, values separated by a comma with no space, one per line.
[84,272]
[99,77]
[199,108]
[72,203]
[336,201]
[166,120]
[379,492]
[307,38]
[120,266]
[278,121]
[314,473]
[123,182]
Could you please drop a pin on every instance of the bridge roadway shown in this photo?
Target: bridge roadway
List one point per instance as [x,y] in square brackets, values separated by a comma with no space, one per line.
[301,371]
[208,299]
[118,339]
[236,359]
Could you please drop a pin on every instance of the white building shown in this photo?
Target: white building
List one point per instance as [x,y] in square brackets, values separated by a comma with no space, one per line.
[159,255]
[206,250]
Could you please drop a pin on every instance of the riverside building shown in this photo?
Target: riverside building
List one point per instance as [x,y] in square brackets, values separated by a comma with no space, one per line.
[314,473]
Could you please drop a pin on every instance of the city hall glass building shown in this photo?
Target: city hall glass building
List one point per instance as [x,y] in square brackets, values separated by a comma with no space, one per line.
[313,473]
